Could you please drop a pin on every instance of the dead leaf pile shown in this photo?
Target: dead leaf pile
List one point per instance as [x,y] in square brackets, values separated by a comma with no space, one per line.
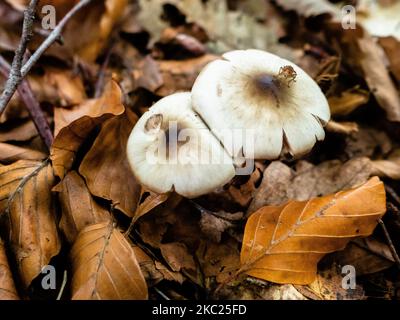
[285,231]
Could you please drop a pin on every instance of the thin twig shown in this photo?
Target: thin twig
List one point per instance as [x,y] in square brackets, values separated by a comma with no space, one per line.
[162,294]
[63,284]
[15,76]
[390,242]
[393,193]
[53,36]
[13,81]
[33,106]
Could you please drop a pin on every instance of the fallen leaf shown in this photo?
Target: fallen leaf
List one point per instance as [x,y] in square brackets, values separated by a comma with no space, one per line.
[366,142]
[106,169]
[378,79]
[153,270]
[366,255]
[180,75]
[151,201]
[342,127]
[347,101]
[328,286]
[104,266]
[79,209]
[388,168]
[219,260]
[177,256]
[10,153]
[21,132]
[283,244]
[391,46]
[78,123]
[7,286]
[229,29]
[27,198]
[281,184]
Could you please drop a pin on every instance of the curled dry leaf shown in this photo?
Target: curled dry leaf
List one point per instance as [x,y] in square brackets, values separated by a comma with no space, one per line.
[389,168]
[21,132]
[342,127]
[10,153]
[106,168]
[180,75]
[281,184]
[367,255]
[26,196]
[392,47]
[283,244]
[378,78]
[78,122]
[7,286]
[104,266]
[347,102]
[78,206]
[153,270]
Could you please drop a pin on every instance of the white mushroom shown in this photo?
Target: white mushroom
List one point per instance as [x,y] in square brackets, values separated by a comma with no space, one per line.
[263,93]
[170,148]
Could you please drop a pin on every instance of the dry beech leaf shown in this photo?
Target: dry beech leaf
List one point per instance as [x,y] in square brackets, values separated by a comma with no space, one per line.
[392,47]
[283,244]
[78,123]
[367,255]
[20,132]
[7,286]
[104,266]
[78,206]
[281,184]
[347,102]
[10,153]
[106,169]
[342,127]
[180,75]
[177,256]
[378,79]
[149,203]
[33,232]
[153,270]
[389,168]
[328,286]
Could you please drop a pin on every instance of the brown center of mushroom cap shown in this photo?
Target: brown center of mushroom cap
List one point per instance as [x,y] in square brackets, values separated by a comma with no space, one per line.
[168,132]
[274,87]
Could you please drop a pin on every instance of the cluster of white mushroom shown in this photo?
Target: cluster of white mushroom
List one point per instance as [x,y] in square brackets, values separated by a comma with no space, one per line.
[183,141]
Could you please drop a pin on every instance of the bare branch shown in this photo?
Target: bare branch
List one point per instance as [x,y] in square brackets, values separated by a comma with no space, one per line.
[27,96]
[15,76]
[14,81]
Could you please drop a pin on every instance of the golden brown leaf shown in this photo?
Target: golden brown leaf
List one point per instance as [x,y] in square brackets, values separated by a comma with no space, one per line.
[78,123]
[180,75]
[283,244]
[106,168]
[104,266]
[78,206]
[10,153]
[26,194]
[348,101]
[7,287]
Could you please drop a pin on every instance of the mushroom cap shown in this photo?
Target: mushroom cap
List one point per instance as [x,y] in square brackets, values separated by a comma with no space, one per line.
[171,148]
[271,97]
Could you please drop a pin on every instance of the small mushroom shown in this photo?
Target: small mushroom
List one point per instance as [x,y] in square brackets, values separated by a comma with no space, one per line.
[171,148]
[270,96]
